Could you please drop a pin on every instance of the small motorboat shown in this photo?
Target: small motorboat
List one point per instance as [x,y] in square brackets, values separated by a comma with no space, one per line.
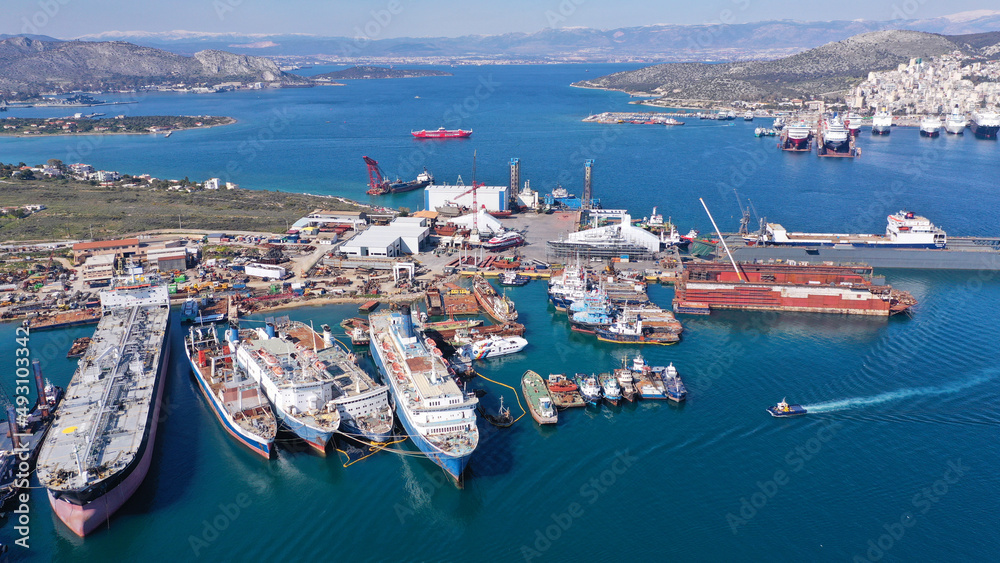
[783,409]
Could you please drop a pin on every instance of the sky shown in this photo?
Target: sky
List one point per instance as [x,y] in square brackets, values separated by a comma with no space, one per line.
[67,19]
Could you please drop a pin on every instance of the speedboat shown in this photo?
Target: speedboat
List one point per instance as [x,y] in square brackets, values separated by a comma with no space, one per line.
[783,409]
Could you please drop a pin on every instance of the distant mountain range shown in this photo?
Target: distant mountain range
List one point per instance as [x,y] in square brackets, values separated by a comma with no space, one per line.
[830,69]
[29,66]
[738,41]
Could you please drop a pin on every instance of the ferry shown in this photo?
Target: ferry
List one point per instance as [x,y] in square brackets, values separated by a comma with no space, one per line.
[930,126]
[495,346]
[504,240]
[956,122]
[748,116]
[882,123]
[442,133]
[437,415]
[853,124]
[289,373]
[797,136]
[235,398]
[835,134]
[903,230]
[783,410]
[539,400]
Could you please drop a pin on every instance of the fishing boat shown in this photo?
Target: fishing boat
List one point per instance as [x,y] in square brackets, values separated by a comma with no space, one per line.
[539,400]
[648,384]
[627,383]
[236,399]
[589,388]
[784,410]
[676,391]
[610,387]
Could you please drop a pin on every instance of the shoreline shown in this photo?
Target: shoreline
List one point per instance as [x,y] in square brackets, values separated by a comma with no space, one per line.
[232,121]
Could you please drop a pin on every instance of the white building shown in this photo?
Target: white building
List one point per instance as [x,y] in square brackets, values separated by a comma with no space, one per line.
[405,235]
[493,198]
[212,184]
[485,222]
[265,271]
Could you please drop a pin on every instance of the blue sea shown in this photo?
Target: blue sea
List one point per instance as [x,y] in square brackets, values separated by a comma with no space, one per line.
[895,463]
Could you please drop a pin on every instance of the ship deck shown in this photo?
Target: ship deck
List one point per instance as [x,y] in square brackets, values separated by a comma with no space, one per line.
[102,422]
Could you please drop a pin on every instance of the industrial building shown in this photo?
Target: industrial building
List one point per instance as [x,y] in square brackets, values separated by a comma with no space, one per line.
[98,270]
[493,198]
[405,235]
[265,271]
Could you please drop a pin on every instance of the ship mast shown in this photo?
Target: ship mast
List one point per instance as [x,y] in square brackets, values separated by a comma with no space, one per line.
[723,241]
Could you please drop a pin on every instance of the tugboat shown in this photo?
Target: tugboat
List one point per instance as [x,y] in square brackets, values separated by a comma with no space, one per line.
[783,410]
[539,399]
[609,385]
[503,418]
[589,388]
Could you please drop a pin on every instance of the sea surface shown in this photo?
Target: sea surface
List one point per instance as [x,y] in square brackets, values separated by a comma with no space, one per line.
[897,461]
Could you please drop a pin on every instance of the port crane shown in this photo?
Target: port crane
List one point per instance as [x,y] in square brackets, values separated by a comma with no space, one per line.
[377,184]
[474,235]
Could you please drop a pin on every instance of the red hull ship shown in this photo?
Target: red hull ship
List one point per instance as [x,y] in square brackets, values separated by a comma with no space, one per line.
[784,287]
[442,133]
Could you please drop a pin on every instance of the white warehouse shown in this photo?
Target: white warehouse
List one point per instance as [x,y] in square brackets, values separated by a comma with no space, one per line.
[494,198]
[405,235]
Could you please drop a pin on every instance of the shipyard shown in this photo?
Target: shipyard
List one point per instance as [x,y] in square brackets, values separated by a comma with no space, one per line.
[429,304]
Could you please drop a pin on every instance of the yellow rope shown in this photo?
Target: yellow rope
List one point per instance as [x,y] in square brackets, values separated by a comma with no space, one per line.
[523,412]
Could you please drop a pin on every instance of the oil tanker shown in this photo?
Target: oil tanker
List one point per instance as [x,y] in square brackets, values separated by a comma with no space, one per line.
[845,289]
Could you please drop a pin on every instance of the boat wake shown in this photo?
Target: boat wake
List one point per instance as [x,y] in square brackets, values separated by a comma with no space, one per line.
[858,402]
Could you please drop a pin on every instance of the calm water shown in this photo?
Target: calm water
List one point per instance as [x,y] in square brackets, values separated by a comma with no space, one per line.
[895,401]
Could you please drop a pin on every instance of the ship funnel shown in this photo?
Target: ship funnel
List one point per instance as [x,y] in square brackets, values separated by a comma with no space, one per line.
[12,427]
[43,404]
[233,334]
[327,336]
[269,330]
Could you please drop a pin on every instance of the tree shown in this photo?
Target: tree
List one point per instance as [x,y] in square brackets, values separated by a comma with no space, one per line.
[56,163]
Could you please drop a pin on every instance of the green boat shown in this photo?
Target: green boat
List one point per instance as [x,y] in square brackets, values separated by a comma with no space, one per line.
[536,394]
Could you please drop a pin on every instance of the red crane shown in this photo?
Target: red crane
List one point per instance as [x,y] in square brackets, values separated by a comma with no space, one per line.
[377,184]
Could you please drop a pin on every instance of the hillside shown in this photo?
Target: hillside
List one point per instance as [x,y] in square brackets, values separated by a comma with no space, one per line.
[28,66]
[832,68]
[373,72]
